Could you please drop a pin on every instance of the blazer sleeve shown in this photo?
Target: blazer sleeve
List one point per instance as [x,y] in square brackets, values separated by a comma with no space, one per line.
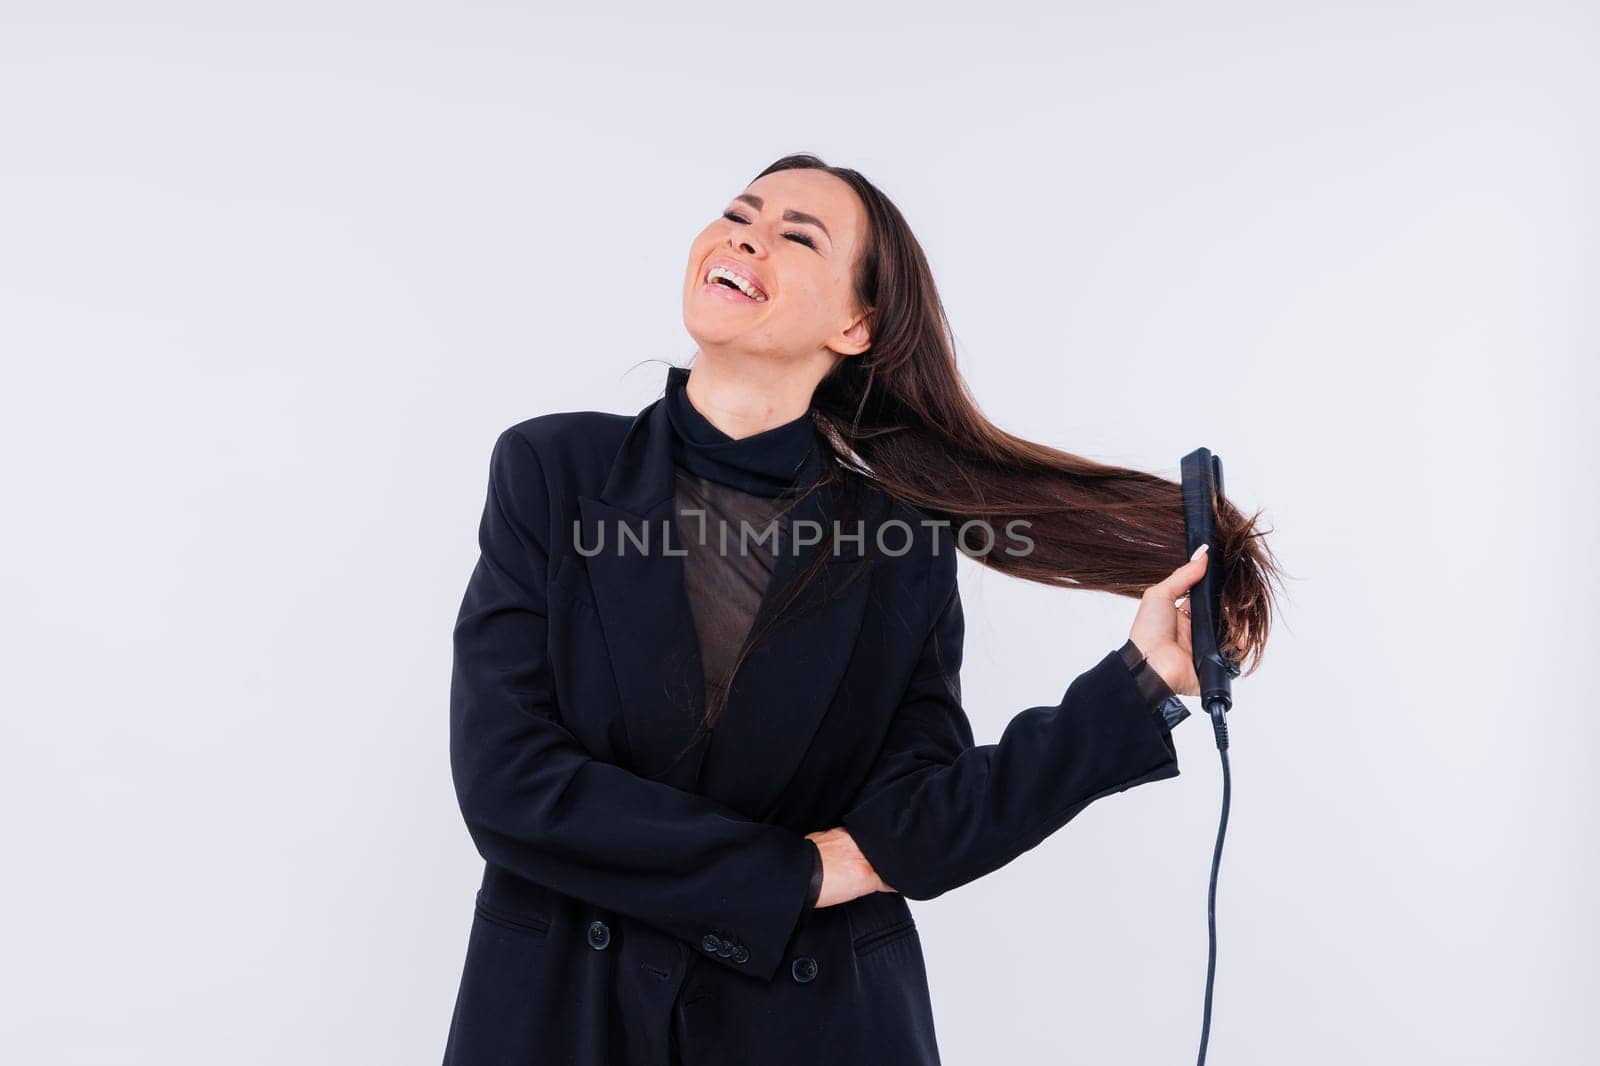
[537,804]
[938,811]
[1152,685]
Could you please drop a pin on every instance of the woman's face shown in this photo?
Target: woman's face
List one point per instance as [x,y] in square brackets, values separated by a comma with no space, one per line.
[794,236]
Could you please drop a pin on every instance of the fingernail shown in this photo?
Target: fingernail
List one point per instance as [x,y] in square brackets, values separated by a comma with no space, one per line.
[1198,551]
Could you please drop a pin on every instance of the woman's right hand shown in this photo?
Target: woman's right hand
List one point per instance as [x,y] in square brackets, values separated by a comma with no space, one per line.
[846,873]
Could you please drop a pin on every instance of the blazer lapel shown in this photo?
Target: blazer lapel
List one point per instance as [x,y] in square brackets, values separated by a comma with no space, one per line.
[779,693]
[782,690]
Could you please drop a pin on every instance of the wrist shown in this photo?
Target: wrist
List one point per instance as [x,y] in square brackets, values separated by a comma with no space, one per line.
[1168,663]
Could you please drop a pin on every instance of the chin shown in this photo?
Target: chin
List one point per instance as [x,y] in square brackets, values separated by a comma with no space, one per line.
[708,327]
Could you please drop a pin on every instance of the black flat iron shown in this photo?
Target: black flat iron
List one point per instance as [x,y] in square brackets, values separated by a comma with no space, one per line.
[1202,489]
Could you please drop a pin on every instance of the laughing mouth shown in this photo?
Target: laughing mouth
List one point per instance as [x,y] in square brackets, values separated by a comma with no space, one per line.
[721,275]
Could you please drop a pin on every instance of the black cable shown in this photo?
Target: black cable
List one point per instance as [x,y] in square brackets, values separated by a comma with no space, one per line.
[1219,726]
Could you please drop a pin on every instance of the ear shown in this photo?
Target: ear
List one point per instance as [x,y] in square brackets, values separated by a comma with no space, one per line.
[856,338]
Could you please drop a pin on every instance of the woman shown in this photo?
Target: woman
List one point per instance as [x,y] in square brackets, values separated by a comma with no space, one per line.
[706,770]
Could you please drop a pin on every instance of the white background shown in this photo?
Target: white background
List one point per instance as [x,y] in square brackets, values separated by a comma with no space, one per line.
[274,276]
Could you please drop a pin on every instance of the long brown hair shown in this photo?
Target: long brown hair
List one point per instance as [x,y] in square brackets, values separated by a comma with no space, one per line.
[900,416]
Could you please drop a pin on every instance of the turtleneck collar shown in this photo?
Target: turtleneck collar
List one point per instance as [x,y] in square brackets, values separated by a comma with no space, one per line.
[763,463]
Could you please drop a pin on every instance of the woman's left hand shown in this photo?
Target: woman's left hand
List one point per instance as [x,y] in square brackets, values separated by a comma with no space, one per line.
[1161,628]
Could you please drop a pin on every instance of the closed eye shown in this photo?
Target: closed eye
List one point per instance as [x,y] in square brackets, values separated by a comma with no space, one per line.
[798,238]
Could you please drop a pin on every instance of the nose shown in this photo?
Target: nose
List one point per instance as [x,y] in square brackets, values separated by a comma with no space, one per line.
[747,242]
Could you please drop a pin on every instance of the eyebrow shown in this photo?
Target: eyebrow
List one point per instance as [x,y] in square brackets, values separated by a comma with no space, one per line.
[789,215]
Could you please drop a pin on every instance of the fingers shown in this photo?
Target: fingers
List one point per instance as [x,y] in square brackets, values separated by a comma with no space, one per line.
[1185,576]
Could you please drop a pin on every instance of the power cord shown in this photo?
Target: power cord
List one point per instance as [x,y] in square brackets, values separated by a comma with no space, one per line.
[1219,725]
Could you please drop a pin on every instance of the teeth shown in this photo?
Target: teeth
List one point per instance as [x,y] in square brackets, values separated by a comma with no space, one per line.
[744,286]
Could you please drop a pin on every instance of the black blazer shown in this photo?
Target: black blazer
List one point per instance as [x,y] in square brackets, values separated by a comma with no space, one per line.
[610,867]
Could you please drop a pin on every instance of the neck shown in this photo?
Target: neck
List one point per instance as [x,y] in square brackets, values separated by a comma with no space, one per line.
[743,396]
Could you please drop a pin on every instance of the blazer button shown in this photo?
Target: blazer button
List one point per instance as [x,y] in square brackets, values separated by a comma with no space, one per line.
[710,941]
[741,954]
[804,968]
[599,935]
[725,948]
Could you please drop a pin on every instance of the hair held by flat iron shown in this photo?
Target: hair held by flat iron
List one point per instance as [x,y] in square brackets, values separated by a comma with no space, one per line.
[900,416]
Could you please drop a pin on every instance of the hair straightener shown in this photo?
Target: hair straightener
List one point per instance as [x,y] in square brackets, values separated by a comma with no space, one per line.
[1202,488]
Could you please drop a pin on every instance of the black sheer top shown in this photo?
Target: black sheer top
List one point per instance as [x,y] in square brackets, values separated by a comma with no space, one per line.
[726,491]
